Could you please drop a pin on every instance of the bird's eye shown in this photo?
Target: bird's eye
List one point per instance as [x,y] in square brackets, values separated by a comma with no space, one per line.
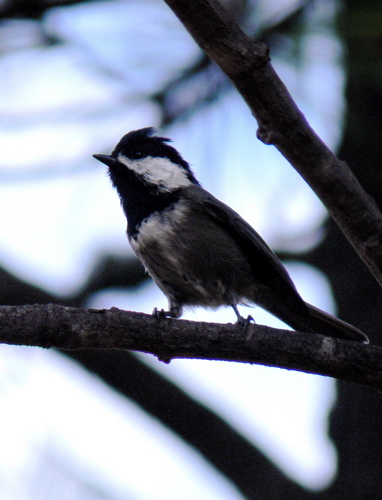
[137,155]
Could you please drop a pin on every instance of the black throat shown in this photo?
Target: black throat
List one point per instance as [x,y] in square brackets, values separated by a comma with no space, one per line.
[138,199]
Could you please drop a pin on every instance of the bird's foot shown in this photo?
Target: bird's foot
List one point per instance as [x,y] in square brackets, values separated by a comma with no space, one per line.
[174,312]
[244,322]
[160,313]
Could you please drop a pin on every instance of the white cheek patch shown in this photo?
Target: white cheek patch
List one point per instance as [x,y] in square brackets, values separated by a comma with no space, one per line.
[160,172]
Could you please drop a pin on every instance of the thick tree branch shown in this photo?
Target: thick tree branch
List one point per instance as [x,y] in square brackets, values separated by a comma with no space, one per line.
[282,124]
[69,328]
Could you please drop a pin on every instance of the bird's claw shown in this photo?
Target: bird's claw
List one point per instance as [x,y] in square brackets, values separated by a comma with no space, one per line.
[174,312]
[245,322]
[160,313]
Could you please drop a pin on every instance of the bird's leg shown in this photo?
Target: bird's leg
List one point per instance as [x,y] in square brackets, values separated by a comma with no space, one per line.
[242,321]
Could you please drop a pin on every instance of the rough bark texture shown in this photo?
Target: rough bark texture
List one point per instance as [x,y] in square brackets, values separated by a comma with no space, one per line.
[70,328]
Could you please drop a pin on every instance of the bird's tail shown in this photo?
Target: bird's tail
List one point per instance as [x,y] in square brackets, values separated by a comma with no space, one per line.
[321,322]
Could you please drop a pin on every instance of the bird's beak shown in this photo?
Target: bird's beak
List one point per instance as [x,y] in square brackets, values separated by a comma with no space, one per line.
[106,159]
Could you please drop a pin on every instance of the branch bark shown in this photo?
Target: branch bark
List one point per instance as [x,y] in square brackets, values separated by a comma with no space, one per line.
[71,328]
[281,123]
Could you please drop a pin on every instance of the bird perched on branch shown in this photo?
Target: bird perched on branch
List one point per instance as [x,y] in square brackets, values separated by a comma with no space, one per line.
[197,249]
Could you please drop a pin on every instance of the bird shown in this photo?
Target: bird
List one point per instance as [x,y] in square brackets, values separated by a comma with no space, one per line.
[198,250]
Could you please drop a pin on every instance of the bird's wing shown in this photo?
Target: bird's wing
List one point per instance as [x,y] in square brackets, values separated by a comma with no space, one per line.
[266,267]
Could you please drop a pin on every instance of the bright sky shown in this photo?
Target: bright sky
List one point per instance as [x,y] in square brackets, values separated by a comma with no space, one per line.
[56,224]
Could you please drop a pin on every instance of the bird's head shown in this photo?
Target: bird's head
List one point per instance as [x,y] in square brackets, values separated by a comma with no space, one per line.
[142,157]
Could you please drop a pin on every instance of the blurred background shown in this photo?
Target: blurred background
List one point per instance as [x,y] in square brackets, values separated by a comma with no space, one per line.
[92,425]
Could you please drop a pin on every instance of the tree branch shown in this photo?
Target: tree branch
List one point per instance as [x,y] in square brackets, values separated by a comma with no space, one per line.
[70,328]
[281,123]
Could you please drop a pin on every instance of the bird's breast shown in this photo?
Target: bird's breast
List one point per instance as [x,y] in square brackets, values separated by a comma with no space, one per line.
[156,238]
[191,257]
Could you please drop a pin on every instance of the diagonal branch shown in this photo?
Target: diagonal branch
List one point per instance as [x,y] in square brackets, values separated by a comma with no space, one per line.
[70,328]
[281,123]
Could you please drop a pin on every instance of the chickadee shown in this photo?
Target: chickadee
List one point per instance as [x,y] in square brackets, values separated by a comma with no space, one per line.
[197,249]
